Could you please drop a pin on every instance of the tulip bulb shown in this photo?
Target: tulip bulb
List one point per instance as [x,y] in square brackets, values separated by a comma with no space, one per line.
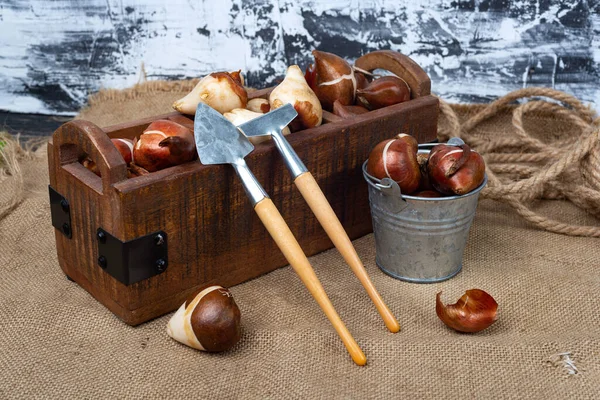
[239,116]
[347,111]
[207,321]
[310,75]
[125,147]
[259,105]
[90,165]
[424,184]
[397,159]
[182,120]
[383,92]
[295,91]
[473,312]
[333,80]
[362,81]
[428,194]
[455,170]
[164,144]
[222,91]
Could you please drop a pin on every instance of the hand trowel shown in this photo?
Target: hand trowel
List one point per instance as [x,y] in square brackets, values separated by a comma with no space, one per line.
[271,125]
[218,141]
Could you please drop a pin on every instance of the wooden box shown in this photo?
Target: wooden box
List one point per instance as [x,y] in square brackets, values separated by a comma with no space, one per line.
[107,227]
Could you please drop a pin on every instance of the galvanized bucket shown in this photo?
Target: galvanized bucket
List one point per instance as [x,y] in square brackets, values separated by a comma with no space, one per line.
[419,239]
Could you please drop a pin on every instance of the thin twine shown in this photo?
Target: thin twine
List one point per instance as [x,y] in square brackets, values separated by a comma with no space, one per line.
[522,168]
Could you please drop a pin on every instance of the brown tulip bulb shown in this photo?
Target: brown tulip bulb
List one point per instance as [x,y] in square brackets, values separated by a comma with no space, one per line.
[396,159]
[455,170]
[473,312]
[425,184]
[89,165]
[310,75]
[333,80]
[209,320]
[347,111]
[410,141]
[361,80]
[428,193]
[183,120]
[383,92]
[125,147]
[164,144]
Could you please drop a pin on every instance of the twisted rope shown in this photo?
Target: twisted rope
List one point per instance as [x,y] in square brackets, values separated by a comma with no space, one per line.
[522,168]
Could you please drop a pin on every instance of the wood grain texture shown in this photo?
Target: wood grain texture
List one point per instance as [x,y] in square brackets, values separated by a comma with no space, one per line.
[205,212]
[54,53]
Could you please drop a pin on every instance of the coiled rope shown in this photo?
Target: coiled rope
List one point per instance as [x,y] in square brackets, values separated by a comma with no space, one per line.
[521,168]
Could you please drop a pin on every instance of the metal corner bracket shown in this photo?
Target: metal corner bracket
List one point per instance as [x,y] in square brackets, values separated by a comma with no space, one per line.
[135,260]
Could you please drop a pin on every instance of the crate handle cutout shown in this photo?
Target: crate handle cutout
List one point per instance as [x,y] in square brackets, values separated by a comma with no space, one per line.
[400,65]
[77,138]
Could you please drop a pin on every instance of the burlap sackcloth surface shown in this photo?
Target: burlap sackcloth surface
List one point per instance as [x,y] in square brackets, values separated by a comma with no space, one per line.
[58,342]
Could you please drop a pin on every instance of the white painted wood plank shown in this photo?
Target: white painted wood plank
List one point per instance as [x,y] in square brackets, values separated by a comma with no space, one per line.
[54,53]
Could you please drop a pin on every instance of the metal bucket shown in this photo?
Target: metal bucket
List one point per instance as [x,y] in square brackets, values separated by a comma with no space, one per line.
[419,239]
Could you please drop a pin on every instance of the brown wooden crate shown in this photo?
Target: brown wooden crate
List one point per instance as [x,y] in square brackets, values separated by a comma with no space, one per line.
[214,236]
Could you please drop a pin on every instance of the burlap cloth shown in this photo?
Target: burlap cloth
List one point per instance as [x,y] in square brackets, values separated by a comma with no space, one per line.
[57,341]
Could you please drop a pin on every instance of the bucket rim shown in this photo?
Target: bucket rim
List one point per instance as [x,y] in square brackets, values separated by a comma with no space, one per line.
[371,180]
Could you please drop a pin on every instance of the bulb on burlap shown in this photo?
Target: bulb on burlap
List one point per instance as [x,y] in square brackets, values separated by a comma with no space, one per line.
[209,320]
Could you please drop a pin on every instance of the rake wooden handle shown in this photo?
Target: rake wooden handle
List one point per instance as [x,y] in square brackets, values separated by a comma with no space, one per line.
[293,253]
[318,203]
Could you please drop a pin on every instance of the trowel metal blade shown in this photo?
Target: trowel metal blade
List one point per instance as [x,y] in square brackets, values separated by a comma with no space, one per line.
[218,141]
[274,120]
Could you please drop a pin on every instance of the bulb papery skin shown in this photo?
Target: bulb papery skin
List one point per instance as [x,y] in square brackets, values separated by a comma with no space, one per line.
[210,320]
[125,147]
[333,80]
[295,91]
[345,112]
[259,105]
[222,91]
[183,120]
[383,92]
[476,310]
[424,184]
[239,116]
[428,194]
[163,144]
[410,141]
[396,159]
[310,75]
[455,170]
[362,81]
[90,165]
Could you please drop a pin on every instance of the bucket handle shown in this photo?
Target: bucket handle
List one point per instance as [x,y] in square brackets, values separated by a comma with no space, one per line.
[388,188]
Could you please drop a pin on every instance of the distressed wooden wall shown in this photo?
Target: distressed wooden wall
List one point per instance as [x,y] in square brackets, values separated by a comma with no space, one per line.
[54,53]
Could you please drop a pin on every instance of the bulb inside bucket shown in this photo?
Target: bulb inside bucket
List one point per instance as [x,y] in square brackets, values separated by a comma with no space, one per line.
[419,239]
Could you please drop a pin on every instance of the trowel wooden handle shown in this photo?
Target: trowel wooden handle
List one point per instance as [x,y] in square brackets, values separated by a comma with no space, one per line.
[318,203]
[293,253]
